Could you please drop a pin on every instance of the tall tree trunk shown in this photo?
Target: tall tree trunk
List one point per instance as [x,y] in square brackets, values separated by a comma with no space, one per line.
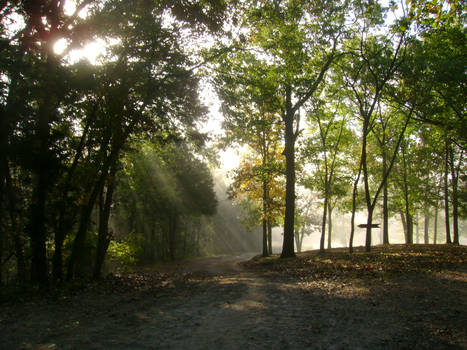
[417,227]
[435,228]
[172,235]
[41,171]
[297,241]
[59,238]
[2,187]
[329,225]
[8,116]
[371,205]
[385,203]
[354,207]
[37,223]
[288,117]
[78,254]
[1,256]
[37,229]
[17,238]
[104,236]
[326,202]
[64,226]
[323,224]
[408,215]
[65,218]
[302,237]
[265,237]
[108,162]
[289,152]
[269,237]
[455,214]
[446,192]
[409,220]
[367,186]
[20,261]
[18,242]
[368,229]
[404,226]
[455,197]
[2,233]
[264,220]
[426,226]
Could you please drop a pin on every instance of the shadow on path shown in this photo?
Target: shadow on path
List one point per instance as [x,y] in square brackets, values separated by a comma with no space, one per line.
[221,305]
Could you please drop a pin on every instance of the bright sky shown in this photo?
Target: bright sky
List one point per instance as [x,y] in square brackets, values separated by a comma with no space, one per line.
[229,159]
[94,50]
[91,51]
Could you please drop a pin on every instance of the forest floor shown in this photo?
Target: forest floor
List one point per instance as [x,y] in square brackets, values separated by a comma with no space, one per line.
[392,298]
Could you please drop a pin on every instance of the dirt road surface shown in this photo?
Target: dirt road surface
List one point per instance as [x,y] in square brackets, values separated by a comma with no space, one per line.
[217,303]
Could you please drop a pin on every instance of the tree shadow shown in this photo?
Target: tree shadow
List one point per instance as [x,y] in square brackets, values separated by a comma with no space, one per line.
[252,310]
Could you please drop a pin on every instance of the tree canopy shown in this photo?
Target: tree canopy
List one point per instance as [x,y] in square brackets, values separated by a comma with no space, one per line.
[363,103]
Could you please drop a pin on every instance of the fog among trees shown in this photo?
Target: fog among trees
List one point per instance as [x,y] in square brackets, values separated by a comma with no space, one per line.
[351,115]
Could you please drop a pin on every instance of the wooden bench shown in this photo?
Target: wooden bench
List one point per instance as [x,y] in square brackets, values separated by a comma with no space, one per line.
[372,225]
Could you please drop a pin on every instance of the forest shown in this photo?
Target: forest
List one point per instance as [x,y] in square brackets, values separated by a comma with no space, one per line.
[233,174]
[349,106]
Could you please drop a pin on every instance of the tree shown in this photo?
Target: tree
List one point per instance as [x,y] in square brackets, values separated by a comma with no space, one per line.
[407,182]
[383,139]
[367,73]
[77,119]
[251,117]
[436,13]
[430,173]
[327,153]
[33,48]
[306,221]
[456,160]
[164,190]
[298,43]
[258,180]
[441,50]
[147,93]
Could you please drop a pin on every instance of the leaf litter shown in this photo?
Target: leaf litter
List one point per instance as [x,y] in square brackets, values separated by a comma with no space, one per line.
[394,297]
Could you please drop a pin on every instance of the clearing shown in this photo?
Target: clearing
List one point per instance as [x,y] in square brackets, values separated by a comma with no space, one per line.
[395,297]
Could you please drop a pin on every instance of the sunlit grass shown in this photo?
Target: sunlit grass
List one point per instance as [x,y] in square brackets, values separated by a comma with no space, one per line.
[382,259]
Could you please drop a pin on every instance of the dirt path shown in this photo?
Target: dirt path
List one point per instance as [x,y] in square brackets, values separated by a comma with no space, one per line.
[220,305]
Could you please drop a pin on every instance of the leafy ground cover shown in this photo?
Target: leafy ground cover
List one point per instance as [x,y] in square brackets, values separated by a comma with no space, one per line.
[395,297]
[382,260]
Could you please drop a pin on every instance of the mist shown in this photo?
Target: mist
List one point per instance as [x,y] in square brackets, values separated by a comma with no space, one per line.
[341,233]
[231,237]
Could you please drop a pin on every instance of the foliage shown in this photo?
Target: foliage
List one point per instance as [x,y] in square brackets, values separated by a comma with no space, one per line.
[437,13]
[122,252]
[65,125]
[71,130]
[295,43]
[167,179]
[248,181]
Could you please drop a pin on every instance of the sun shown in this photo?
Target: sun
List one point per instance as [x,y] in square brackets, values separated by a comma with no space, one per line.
[229,159]
[92,51]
